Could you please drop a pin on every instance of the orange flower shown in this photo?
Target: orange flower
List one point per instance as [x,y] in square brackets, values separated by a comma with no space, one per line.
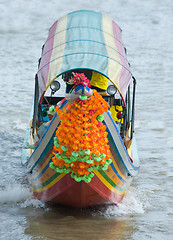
[79,130]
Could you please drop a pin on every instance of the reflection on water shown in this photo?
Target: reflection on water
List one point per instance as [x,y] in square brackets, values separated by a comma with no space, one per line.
[66,223]
[103,222]
[32,219]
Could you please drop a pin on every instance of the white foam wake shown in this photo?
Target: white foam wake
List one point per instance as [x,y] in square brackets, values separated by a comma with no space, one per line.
[134,202]
[18,193]
[14,193]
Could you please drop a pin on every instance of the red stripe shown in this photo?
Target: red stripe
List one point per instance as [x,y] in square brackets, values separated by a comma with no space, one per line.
[125,74]
[69,192]
[46,56]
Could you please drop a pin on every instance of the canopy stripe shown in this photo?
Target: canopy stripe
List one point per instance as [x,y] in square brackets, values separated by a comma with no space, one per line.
[84,40]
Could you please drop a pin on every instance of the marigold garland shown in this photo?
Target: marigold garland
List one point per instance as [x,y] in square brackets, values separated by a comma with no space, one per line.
[80,142]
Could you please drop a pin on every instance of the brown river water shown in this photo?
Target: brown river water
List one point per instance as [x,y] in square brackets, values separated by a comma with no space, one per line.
[147,210]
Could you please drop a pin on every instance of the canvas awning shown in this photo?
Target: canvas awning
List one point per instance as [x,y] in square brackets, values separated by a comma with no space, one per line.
[84,40]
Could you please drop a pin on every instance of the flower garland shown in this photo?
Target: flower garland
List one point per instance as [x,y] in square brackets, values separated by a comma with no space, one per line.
[80,142]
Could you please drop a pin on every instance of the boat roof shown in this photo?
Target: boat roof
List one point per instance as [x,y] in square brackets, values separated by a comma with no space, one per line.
[84,40]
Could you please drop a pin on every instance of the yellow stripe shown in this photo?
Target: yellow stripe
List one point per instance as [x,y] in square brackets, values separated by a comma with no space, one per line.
[43,166]
[110,43]
[110,169]
[111,174]
[114,178]
[63,174]
[118,170]
[50,184]
[31,140]
[58,50]
[48,159]
[108,185]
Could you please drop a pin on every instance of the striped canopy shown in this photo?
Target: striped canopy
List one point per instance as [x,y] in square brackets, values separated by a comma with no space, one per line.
[84,40]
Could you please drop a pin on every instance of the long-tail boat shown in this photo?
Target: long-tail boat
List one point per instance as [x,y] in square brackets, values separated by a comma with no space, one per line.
[80,148]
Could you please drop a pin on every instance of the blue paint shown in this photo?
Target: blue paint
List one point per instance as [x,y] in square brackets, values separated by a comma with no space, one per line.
[85,25]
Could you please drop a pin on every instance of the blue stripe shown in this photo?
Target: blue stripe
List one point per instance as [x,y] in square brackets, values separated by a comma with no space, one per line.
[135,168]
[87,65]
[110,134]
[82,40]
[114,169]
[45,149]
[43,152]
[40,143]
[41,173]
[83,27]
[55,115]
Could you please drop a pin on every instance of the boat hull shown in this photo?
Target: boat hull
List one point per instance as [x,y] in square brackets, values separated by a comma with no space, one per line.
[79,195]
[52,187]
[106,187]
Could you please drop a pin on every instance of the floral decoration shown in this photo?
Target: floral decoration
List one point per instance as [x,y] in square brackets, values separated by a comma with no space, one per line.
[81,143]
[79,79]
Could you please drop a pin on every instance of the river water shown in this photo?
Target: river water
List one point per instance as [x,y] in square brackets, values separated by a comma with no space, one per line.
[147,210]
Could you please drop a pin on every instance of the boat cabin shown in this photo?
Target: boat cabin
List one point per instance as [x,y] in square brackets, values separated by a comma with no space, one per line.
[122,112]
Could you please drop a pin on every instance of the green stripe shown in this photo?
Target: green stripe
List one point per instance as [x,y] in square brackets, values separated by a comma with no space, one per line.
[47,182]
[117,154]
[111,182]
[43,155]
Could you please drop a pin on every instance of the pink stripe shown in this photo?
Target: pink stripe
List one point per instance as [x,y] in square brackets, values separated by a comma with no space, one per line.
[45,59]
[125,74]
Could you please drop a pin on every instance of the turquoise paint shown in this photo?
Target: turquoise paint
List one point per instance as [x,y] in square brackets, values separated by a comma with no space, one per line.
[85,43]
